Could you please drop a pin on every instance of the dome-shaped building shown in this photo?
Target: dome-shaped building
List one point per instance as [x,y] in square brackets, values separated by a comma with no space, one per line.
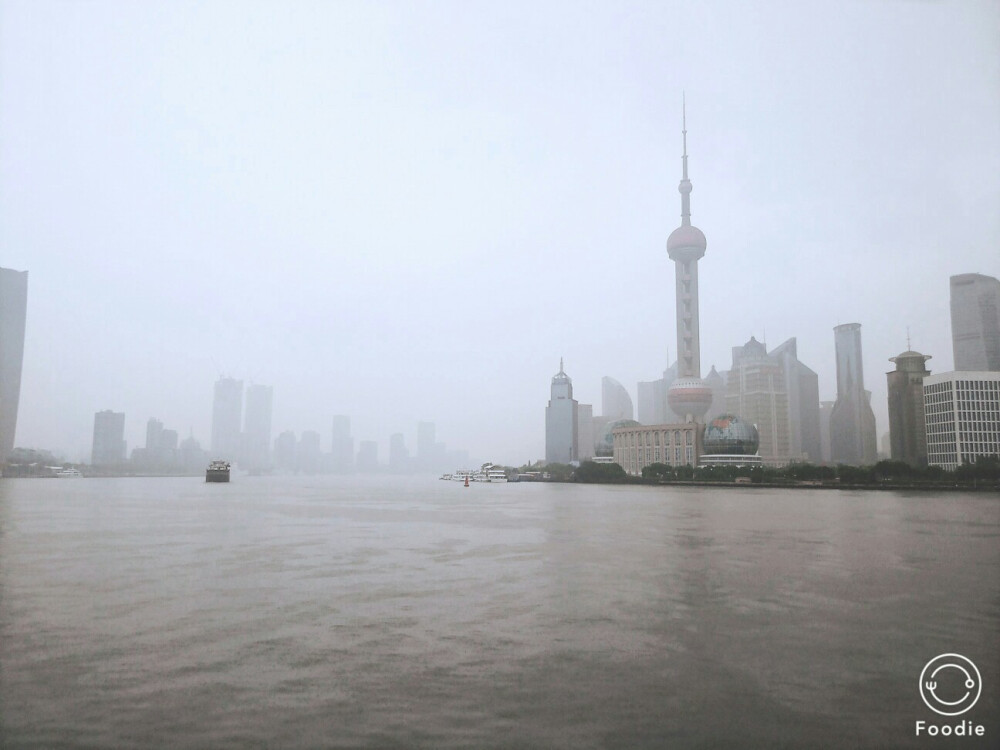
[730,441]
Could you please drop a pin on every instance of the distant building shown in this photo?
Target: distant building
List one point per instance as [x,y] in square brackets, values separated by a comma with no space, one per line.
[652,399]
[853,439]
[307,453]
[637,446]
[109,438]
[907,428]
[368,455]
[802,387]
[758,396]
[615,401]
[285,447]
[227,412]
[399,456]
[13,312]
[718,383]
[975,322]
[257,428]
[561,421]
[825,410]
[962,413]
[342,448]
[585,431]
[190,454]
[160,451]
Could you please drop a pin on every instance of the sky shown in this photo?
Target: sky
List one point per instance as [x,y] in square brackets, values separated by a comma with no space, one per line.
[406,211]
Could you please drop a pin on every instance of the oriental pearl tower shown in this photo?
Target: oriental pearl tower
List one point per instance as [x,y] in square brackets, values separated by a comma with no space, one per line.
[688,396]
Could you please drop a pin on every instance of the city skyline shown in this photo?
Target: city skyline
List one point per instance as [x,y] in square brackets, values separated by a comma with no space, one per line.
[202,228]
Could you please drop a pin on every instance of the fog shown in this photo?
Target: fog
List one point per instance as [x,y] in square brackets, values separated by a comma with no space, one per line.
[411,211]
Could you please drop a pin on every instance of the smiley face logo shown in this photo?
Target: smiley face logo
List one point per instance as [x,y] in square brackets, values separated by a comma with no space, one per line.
[950,684]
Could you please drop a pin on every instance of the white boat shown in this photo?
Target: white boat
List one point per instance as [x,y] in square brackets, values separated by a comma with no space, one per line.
[490,473]
[68,473]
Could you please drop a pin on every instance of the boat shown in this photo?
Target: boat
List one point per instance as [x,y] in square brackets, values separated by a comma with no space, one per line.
[446,477]
[68,473]
[490,473]
[218,471]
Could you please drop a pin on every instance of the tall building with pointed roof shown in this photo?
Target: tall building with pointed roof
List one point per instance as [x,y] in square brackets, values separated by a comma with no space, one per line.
[688,396]
[561,425]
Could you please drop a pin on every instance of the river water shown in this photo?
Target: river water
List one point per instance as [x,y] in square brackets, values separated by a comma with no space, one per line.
[295,612]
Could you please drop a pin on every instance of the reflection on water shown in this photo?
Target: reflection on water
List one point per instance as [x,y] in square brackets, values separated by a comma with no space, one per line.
[392,612]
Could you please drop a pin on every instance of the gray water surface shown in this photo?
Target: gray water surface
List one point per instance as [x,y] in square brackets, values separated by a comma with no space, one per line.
[296,612]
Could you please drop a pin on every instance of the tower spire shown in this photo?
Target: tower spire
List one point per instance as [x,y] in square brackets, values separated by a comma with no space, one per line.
[685,186]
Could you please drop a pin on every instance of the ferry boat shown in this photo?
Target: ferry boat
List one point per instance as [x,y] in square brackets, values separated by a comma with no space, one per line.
[218,471]
[69,473]
[490,473]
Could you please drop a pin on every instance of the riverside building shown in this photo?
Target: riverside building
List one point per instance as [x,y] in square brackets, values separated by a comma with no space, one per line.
[962,412]
[907,427]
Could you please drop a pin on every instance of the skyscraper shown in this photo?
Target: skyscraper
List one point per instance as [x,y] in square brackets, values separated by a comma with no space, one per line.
[615,402]
[802,387]
[109,438]
[13,311]
[757,394]
[257,428]
[561,425]
[907,427]
[227,410]
[975,322]
[689,397]
[399,457]
[852,423]
[342,447]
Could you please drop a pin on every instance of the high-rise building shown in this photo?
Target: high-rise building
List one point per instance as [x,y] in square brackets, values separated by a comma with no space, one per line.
[561,425]
[584,431]
[13,312]
[109,438]
[689,397]
[825,410]
[227,411]
[802,387]
[907,428]
[342,449]
[853,439]
[758,395]
[399,457]
[718,383]
[368,455]
[307,453]
[962,413]
[257,428]
[285,446]
[615,401]
[652,401]
[426,432]
[975,322]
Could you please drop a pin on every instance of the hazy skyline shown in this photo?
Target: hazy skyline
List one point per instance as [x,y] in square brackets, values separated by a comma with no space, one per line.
[411,211]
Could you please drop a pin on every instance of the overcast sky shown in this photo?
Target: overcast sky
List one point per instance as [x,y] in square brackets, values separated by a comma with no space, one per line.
[410,211]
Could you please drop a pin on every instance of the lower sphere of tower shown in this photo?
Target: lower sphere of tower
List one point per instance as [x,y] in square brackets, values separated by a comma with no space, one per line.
[689,396]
